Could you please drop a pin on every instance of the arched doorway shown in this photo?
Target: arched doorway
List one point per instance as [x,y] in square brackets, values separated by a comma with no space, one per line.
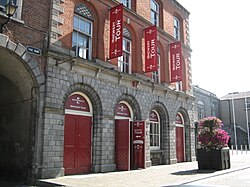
[180,139]
[123,117]
[18,101]
[78,134]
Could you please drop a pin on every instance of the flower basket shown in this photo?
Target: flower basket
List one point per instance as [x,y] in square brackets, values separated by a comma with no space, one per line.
[213,151]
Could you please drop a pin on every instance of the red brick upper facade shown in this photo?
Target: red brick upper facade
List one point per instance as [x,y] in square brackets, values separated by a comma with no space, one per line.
[135,18]
[41,21]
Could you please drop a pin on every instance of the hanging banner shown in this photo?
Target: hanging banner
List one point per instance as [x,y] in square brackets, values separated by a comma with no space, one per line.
[151,63]
[116,31]
[175,62]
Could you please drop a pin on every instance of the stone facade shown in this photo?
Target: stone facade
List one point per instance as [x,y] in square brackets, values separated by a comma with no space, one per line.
[207,103]
[235,115]
[46,82]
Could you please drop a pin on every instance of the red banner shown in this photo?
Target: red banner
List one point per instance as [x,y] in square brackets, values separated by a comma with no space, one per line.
[150,49]
[176,62]
[116,31]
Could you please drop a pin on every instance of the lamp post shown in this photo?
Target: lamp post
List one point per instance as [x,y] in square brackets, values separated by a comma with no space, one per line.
[235,133]
[10,10]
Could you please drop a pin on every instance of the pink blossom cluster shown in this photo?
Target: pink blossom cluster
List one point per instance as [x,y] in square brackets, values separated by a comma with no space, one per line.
[211,122]
[211,135]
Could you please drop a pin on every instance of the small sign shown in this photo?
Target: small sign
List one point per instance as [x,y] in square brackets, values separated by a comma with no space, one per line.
[33,50]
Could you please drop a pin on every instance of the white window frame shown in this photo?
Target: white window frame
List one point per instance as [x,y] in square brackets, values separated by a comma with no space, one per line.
[121,63]
[156,75]
[126,3]
[176,28]
[78,31]
[18,12]
[153,123]
[156,13]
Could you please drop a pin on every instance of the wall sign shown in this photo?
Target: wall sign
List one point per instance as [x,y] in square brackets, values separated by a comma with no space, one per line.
[122,110]
[77,102]
[33,50]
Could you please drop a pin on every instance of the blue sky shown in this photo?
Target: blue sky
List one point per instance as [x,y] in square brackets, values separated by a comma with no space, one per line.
[220,40]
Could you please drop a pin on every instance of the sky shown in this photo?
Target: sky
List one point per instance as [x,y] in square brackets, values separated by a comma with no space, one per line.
[220,42]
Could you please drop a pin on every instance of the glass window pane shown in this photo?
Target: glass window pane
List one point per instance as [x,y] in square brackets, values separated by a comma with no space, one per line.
[74,38]
[87,27]
[157,143]
[81,25]
[128,46]
[85,42]
[3,2]
[76,22]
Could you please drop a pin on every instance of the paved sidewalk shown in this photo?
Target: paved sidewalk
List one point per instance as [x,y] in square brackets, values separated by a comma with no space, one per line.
[164,175]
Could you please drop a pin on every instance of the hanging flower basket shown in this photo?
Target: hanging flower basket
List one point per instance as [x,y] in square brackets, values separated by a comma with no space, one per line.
[213,151]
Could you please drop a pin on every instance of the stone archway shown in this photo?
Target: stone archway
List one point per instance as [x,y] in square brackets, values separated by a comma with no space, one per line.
[19,80]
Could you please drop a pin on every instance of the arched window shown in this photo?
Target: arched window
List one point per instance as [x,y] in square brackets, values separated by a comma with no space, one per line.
[124,61]
[201,110]
[156,74]
[176,28]
[82,33]
[154,122]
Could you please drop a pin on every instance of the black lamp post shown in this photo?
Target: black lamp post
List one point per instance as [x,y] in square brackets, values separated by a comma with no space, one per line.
[10,10]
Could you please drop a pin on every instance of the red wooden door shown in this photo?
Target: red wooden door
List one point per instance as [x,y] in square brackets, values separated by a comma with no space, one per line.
[77,144]
[122,144]
[179,144]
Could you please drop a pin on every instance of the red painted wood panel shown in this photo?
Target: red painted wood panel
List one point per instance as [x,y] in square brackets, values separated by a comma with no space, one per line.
[77,144]
[122,144]
[179,144]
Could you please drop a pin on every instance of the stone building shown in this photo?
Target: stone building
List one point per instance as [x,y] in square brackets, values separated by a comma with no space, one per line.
[67,109]
[206,103]
[234,109]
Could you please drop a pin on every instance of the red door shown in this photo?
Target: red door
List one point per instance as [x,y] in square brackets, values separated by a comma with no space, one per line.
[77,144]
[179,144]
[122,144]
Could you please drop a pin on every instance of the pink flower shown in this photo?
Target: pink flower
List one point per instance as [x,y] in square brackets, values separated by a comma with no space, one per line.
[211,135]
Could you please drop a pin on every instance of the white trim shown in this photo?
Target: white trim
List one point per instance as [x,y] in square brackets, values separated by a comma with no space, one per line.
[159,126]
[130,110]
[76,112]
[183,131]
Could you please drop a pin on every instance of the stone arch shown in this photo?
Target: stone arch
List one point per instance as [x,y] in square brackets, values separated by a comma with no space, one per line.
[97,115]
[165,129]
[21,82]
[133,103]
[187,131]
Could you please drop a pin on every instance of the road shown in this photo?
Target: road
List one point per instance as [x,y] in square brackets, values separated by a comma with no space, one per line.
[237,178]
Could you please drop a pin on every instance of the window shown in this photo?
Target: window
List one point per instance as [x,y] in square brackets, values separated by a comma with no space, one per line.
[16,2]
[176,28]
[126,3]
[156,74]
[154,12]
[247,104]
[201,110]
[82,33]
[4,2]
[124,61]
[154,130]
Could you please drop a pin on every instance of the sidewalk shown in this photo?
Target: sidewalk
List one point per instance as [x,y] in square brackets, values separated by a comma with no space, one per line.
[164,175]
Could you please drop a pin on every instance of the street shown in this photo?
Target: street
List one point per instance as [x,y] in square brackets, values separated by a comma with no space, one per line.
[237,178]
[181,174]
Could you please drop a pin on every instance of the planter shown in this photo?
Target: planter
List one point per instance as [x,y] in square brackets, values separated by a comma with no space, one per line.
[213,159]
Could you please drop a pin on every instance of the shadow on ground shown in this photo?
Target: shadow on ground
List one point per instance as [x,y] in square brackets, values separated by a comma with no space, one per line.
[20,184]
[192,172]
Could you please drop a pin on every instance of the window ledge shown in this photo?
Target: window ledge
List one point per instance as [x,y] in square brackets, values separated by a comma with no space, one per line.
[157,151]
[15,19]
